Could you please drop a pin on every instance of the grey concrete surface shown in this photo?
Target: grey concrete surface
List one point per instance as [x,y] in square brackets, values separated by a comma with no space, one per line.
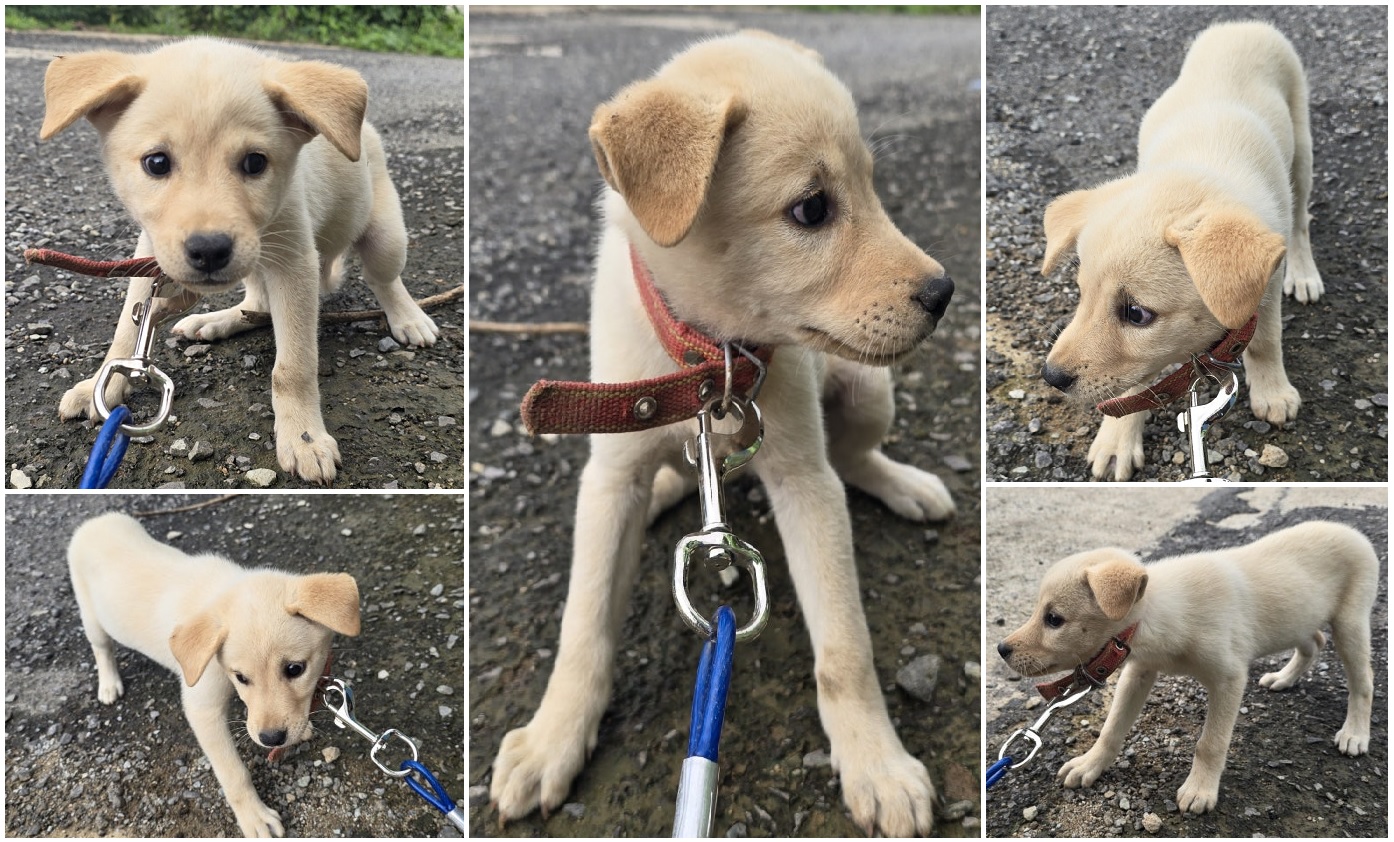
[535,79]
[1284,776]
[76,767]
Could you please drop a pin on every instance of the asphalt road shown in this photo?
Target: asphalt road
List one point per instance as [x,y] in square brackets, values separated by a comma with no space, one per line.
[1066,90]
[1284,777]
[397,413]
[535,79]
[76,767]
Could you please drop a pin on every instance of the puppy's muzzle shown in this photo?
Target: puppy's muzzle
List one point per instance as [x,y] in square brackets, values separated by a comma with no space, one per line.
[934,296]
[1004,650]
[1057,377]
[208,252]
[271,739]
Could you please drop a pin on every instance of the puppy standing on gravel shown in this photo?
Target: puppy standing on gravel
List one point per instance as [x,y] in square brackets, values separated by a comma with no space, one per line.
[1207,615]
[239,167]
[262,633]
[1188,247]
[739,177]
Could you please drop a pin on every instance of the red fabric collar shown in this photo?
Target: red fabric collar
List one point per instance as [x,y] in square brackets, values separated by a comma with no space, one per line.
[556,406]
[1227,350]
[1097,671]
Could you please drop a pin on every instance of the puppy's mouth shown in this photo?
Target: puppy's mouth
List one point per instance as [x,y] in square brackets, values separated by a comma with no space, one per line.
[821,340]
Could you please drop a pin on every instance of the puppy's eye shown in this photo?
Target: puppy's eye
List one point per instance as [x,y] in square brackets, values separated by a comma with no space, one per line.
[1054,620]
[241,679]
[1136,315]
[254,163]
[811,211]
[156,164]
[294,670]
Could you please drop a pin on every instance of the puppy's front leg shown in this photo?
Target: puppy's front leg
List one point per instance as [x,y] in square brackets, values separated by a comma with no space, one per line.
[205,705]
[1201,790]
[1133,686]
[1119,441]
[537,763]
[303,446]
[881,783]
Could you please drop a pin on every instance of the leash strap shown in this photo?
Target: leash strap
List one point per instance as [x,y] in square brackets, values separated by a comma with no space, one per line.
[563,406]
[1097,671]
[107,451]
[136,267]
[1178,383]
[998,770]
[696,807]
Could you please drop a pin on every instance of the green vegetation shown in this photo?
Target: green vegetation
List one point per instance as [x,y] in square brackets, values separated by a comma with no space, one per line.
[900,10]
[425,30]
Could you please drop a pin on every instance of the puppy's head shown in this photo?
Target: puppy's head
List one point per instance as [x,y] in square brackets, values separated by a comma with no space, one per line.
[1083,600]
[200,140]
[746,183]
[270,635]
[1166,265]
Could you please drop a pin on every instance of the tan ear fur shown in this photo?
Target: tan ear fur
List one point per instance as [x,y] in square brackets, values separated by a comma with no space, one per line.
[656,144]
[83,84]
[1064,218]
[1117,585]
[194,644]
[330,599]
[1231,256]
[323,98]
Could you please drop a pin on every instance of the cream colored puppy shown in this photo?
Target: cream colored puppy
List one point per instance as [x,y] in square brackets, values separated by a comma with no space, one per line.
[242,168]
[224,628]
[739,174]
[1188,247]
[1208,615]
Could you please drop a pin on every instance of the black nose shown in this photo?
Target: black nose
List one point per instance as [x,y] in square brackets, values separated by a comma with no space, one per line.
[208,252]
[1057,377]
[935,294]
[272,738]
[1004,650]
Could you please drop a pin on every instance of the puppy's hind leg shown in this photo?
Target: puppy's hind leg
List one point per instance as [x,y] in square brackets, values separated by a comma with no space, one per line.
[859,407]
[1301,661]
[383,250]
[1352,638]
[1301,279]
[109,686]
[670,485]
[221,324]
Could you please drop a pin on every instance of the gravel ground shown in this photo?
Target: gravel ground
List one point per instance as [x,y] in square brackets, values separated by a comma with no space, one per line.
[1284,776]
[75,767]
[395,413]
[534,81]
[1067,89]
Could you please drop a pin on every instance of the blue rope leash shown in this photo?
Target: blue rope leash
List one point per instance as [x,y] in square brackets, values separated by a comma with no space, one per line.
[713,681]
[437,796]
[998,770]
[108,450]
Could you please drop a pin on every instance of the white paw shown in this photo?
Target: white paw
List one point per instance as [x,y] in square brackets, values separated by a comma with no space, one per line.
[210,326]
[256,819]
[915,494]
[1119,447]
[1275,403]
[1198,794]
[77,401]
[535,768]
[412,326]
[1276,681]
[887,790]
[1352,740]
[669,486]
[1304,284]
[1082,771]
[110,691]
[312,456]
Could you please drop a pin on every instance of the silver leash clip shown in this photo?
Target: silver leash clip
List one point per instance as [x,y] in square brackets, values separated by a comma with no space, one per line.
[1197,419]
[1032,733]
[138,366]
[715,544]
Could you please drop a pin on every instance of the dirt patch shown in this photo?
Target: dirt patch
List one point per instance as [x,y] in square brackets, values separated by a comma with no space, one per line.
[531,232]
[76,767]
[1067,88]
[396,413]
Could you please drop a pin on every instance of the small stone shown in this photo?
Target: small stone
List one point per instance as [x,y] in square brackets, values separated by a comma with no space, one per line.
[816,759]
[180,447]
[1124,803]
[200,451]
[1030,813]
[209,403]
[1382,399]
[445,711]
[173,535]
[444,689]
[955,811]
[261,477]
[1017,394]
[445,421]
[1273,456]
[728,576]
[303,781]
[196,350]
[438,457]
[479,795]
[1151,822]
[419,530]
[387,344]
[20,480]
[438,589]
[957,463]
[249,361]
[500,429]
[919,677]
[574,810]
[1362,404]
[973,670]
[331,753]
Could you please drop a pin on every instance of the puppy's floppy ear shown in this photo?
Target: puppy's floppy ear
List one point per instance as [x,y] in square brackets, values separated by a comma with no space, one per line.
[1064,218]
[330,599]
[97,85]
[194,643]
[1231,255]
[321,98]
[656,144]
[1117,585]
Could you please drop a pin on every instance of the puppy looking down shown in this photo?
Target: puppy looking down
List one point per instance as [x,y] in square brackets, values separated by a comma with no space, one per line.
[262,633]
[242,168]
[1207,615]
[739,177]
[1188,247]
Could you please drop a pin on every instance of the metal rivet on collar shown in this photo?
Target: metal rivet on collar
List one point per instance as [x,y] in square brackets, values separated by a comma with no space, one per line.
[692,356]
[646,408]
[707,390]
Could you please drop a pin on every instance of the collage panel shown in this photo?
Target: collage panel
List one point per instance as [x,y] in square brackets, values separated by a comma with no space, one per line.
[262,595]
[1264,610]
[274,179]
[741,175]
[1104,200]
